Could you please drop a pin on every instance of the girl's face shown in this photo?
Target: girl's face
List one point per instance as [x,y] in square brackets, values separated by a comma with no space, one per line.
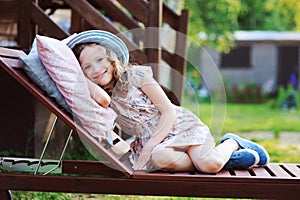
[95,64]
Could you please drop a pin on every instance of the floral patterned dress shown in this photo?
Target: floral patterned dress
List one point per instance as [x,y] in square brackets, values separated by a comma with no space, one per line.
[138,116]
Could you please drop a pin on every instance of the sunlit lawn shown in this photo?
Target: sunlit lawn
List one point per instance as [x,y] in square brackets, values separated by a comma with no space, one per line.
[248,117]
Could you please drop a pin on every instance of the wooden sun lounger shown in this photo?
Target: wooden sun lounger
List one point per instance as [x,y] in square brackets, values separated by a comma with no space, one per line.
[274,181]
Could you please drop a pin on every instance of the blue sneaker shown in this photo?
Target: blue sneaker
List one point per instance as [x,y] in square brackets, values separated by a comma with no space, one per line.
[247,144]
[242,159]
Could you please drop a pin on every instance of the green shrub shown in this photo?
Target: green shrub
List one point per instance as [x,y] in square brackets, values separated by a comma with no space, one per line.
[285,98]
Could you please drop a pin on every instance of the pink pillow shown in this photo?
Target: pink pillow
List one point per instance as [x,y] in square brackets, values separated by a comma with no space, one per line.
[64,69]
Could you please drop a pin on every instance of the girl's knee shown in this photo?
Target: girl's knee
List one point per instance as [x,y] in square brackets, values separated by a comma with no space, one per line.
[162,158]
[209,165]
[206,159]
[168,159]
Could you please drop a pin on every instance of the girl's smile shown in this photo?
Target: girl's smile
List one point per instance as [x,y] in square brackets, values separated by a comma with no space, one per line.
[95,64]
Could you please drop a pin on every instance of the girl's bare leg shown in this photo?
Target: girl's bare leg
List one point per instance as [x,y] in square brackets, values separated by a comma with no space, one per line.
[169,159]
[210,159]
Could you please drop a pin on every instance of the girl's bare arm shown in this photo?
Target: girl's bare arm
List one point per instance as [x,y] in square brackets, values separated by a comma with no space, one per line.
[168,116]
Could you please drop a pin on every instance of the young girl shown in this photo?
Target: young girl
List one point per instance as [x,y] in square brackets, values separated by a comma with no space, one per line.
[168,137]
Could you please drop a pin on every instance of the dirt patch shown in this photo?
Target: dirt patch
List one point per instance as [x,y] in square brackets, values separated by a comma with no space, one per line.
[285,138]
[290,138]
[260,135]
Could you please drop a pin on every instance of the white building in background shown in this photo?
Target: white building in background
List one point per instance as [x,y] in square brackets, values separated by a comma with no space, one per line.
[265,58]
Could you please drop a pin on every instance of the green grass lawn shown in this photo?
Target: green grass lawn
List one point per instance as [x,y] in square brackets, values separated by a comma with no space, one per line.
[248,117]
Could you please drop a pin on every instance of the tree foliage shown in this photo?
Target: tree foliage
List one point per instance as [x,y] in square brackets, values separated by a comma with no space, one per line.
[213,22]
[280,15]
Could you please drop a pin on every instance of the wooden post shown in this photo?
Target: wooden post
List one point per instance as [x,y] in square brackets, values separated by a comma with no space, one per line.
[76,22]
[153,50]
[24,24]
[5,195]
[179,63]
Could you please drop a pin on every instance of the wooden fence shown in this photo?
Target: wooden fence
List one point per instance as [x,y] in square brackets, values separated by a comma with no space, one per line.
[115,16]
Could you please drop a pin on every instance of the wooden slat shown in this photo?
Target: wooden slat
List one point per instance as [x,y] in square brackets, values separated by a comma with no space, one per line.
[153,45]
[9,9]
[45,23]
[261,172]
[167,56]
[89,167]
[277,170]
[5,194]
[10,62]
[257,172]
[242,172]
[24,25]
[116,14]
[141,14]
[163,175]
[11,52]
[179,62]
[170,17]
[292,168]
[223,173]
[183,176]
[76,22]
[91,15]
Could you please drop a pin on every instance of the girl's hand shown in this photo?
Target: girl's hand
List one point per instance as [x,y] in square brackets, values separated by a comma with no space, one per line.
[134,145]
[143,159]
[98,94]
